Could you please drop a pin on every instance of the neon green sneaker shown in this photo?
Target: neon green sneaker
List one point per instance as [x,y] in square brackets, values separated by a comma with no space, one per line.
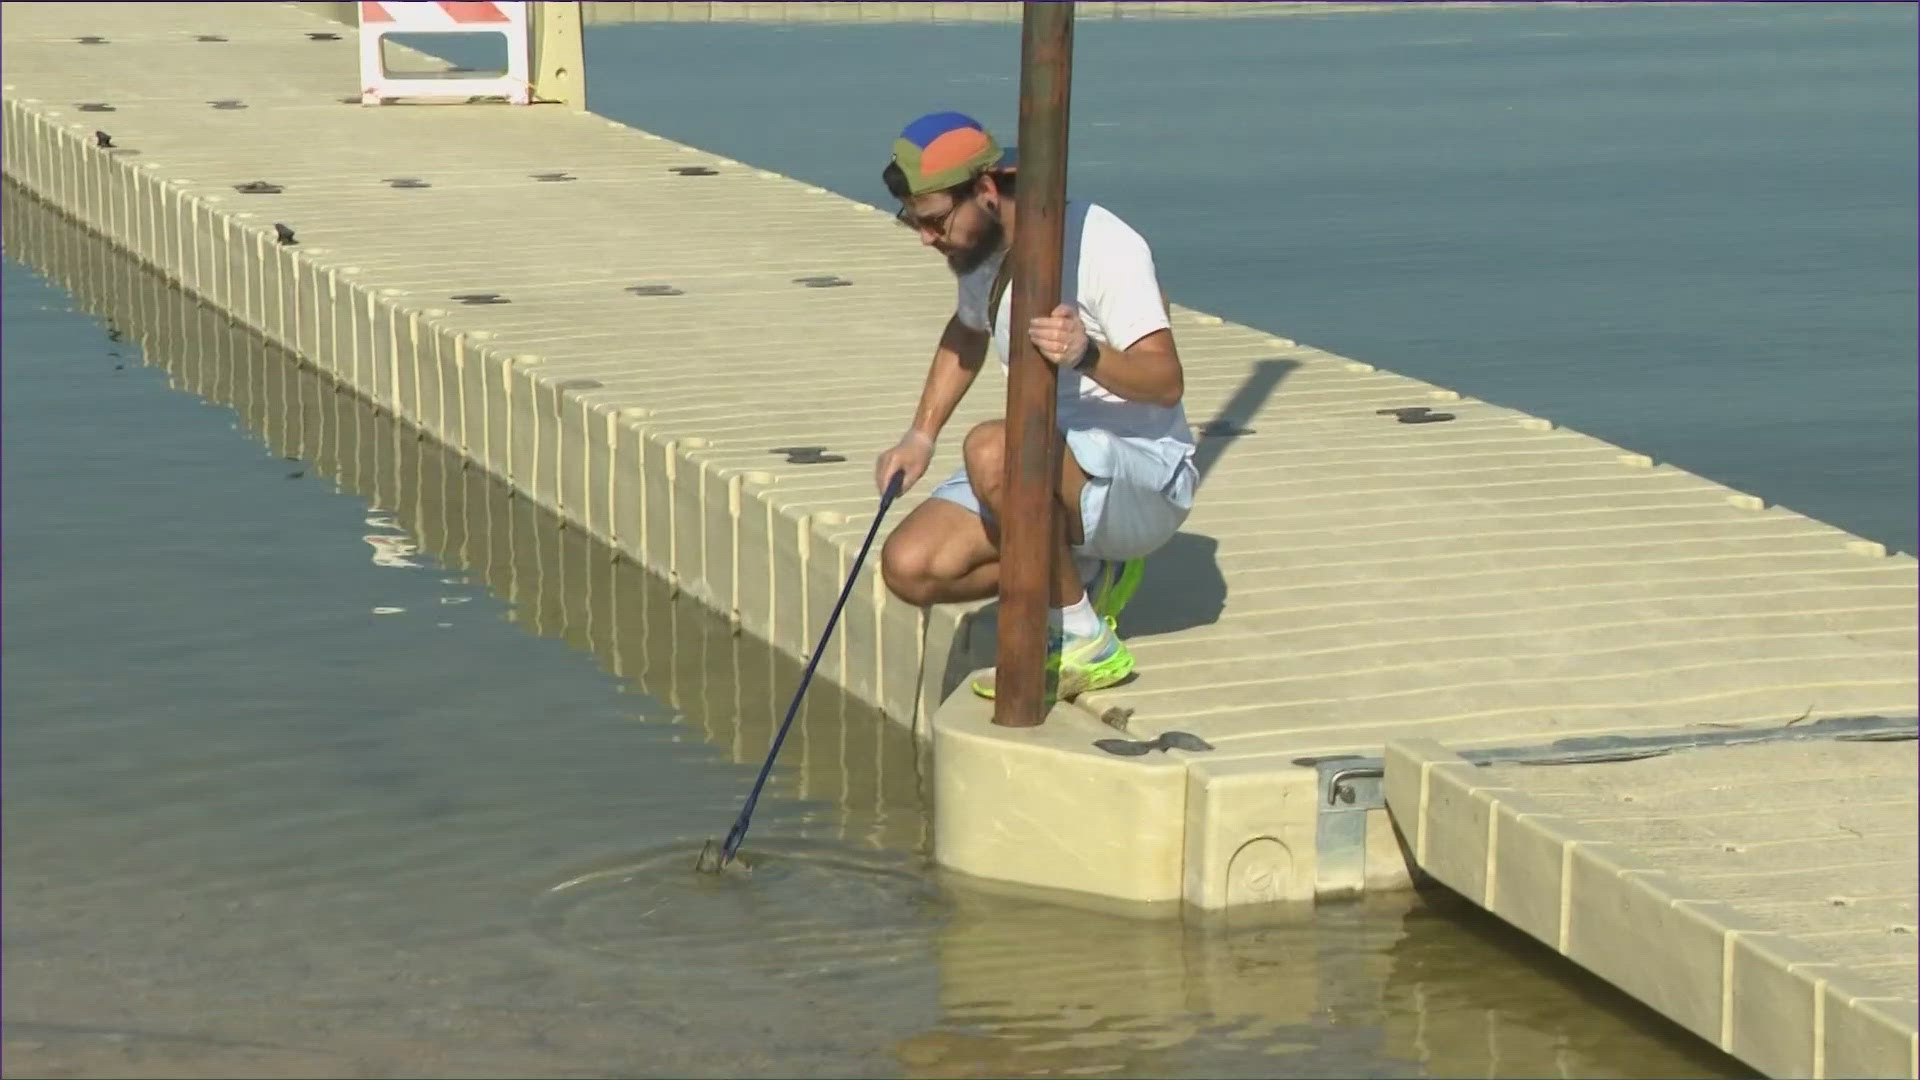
[1094,663]
[1115,585]
[1077,666]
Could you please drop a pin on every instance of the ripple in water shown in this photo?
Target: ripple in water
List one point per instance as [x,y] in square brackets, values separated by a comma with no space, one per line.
[807,910]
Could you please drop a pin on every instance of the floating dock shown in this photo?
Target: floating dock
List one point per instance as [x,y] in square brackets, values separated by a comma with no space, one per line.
[1377,572]
[1758,890]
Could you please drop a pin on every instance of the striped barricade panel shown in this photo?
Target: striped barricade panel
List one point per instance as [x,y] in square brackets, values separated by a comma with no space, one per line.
[380,18]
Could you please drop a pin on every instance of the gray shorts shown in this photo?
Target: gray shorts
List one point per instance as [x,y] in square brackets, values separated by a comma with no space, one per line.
[1138,492]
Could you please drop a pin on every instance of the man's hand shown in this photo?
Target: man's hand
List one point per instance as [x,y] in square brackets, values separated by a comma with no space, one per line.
[909,457]
[1060,337]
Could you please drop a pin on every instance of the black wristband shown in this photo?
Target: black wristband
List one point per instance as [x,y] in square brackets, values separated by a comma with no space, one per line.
[1088,356]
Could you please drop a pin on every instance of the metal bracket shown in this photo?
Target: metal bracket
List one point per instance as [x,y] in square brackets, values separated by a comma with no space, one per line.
[1416,415]
[1223,429]
[806,455]
[1348,787]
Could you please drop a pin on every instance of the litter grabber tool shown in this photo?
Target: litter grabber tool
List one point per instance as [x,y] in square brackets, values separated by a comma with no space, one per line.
[715,857]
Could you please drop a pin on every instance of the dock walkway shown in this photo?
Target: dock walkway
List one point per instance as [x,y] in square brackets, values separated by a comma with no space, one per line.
[1762,895]
[694,360]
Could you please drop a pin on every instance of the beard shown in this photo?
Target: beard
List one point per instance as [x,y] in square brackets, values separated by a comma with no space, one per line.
[975,255]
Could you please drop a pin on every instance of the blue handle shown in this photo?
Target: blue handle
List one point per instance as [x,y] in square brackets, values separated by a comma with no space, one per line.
[739,830]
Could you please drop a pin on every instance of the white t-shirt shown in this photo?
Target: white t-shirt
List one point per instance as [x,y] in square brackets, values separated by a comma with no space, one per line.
[1106,270]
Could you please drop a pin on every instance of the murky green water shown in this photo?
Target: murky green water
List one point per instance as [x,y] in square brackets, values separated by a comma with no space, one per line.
[1689,229]
[323,757]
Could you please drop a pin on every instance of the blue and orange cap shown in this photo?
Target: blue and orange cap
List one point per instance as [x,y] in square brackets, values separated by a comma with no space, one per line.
[943,149]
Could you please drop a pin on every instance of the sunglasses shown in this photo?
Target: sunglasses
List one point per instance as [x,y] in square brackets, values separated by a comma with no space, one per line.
[937,224]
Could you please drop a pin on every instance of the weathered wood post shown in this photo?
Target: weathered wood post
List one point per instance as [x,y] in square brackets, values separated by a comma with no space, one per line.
[1028,524]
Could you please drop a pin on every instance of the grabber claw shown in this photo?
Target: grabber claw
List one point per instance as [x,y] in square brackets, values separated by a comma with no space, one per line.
[713,860]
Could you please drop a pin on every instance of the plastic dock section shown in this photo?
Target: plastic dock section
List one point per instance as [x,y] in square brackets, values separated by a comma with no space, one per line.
[1757,888]
[693,361]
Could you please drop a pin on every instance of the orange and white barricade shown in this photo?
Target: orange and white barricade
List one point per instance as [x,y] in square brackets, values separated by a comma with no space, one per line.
[378,18]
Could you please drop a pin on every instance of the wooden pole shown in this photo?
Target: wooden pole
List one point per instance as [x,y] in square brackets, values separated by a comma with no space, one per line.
[1027,523]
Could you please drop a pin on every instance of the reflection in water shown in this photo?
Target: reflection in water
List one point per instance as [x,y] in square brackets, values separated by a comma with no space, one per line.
[842,953]
[842,755]
[1389,985]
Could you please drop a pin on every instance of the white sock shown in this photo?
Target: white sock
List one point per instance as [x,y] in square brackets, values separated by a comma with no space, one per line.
[1077,620]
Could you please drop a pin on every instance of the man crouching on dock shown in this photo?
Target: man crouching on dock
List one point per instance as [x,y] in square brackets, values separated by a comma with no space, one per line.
[1127,475]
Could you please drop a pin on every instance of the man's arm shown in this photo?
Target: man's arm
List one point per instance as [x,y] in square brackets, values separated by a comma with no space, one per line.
[1147,370]
[956,361]
[1118,284]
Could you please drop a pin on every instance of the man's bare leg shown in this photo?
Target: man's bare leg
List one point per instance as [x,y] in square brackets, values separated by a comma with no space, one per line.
[1066,588]
[985,452]
[1089,658]
[944,553]
[941,554]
